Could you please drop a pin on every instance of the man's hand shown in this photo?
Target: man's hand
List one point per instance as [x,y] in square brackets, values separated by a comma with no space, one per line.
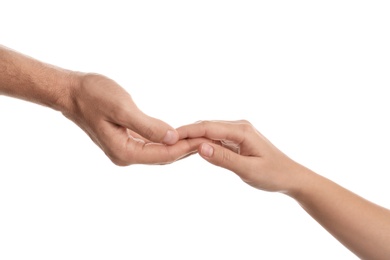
[103,109]
[107,113]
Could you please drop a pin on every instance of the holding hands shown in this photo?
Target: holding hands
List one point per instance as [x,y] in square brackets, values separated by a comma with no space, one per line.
[107,113]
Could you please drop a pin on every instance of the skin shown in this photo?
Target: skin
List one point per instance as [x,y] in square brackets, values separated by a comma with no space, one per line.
[362,226]
[98,105]
[106,112]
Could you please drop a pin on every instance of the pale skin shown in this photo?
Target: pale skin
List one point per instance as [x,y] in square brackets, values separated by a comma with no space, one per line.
[98,105]
[360,225]
[107,113]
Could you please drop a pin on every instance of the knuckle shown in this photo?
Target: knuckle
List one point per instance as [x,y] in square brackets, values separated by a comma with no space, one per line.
[206,124]
[119,162]
[225,157]
[246,127]
[148,133]
[171,157]
[244,121]
[121,115]
[203,123]
[114,159]
[118,158]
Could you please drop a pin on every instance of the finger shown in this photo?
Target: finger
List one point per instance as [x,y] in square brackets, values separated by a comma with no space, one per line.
[125,150]
[136,136]
[155,153]
[224,158]
[217,130]
[148,127]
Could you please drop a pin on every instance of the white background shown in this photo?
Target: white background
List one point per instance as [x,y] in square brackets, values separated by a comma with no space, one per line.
[312,76]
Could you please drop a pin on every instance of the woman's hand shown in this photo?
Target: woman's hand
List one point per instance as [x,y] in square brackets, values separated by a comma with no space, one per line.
[239,147]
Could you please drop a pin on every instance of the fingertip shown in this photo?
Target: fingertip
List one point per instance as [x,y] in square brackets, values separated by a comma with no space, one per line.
[171,137]
[206,150]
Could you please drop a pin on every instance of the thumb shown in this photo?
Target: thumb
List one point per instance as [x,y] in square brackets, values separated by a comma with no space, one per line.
[222,157]
[151,128]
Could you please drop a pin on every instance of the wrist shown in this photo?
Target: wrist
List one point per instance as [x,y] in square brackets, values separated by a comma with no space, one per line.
[299,181]
[72,81]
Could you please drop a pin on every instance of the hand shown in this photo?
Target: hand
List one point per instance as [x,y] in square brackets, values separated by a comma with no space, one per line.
[239,147]
[106,112]
[260,164]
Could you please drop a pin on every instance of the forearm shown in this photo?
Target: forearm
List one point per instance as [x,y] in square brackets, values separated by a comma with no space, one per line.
[26,78]
[360,225]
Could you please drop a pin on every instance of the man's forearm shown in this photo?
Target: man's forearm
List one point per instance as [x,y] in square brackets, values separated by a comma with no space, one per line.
[26,78]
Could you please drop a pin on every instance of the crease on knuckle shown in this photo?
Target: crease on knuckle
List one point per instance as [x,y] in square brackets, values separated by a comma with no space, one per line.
[225,157]
[148,133]
[121,115]
[246,128]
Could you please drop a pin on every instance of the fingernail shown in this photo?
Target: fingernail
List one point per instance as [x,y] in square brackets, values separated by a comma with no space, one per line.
[170,137]
[207,150]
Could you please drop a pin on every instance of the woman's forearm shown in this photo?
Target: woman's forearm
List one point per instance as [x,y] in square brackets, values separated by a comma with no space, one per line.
[360,225]
[26,78]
